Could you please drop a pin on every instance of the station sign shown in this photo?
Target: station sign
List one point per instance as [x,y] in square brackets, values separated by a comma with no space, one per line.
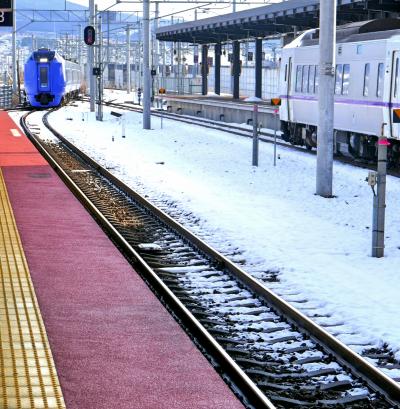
[6,13]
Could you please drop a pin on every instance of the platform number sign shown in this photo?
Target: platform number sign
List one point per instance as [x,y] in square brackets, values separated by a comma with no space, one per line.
[6,13]
[89,35]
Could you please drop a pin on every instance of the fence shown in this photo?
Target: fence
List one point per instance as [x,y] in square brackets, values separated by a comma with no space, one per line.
[5,96]
[188,85]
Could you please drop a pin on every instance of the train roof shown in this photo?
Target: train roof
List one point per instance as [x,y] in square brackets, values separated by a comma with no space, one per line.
[360,31]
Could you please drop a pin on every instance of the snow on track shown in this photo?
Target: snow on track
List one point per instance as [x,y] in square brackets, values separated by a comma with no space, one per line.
[321,247]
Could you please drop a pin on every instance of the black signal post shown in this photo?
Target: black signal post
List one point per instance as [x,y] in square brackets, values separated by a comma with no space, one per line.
[89,35]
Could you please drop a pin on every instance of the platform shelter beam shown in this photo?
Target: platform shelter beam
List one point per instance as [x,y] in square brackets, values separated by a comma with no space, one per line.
[236,69]
[204,69]
[217,68]
[258,68]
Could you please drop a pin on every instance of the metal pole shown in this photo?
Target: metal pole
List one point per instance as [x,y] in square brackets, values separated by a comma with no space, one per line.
[258,68]
[234,6]
[146,65]
[275,129]
[196,53]
[156,47]
[128,60]
[14,47]
[255,135]
[100,64]
[378,221]
[92,79]
[327,40]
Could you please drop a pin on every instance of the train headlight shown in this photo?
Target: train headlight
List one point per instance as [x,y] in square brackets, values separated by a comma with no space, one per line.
[43,60]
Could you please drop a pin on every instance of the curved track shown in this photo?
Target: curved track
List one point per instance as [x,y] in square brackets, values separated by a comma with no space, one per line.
[271,352]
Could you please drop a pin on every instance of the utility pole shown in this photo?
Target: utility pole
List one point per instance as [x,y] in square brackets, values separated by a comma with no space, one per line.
[128,60]
[378,217]
[90,51]
[100,67]
[146,65]
[196,53]
[14,47]
[234,6]
[156,46]
[326,103]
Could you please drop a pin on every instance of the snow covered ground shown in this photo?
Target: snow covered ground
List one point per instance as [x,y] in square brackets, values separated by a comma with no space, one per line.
[320,247]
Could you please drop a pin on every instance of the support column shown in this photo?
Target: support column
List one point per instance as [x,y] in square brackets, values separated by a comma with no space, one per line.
[92,79]
[128,60]
[236,69]
[217,69]
[146,65]
[258,70]
[326,88]
[14,49]
[204,69]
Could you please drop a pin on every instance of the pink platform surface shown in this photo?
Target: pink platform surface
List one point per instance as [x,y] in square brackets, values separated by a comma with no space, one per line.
[114,344]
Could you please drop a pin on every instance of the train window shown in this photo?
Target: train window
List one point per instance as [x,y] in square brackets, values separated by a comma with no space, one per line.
[285,72]
[299,74]
[346,79]
[306,70]
[397,77]
[44,77]
[311,79]
[366,78]
[379,85]
[316,79]
[338,79]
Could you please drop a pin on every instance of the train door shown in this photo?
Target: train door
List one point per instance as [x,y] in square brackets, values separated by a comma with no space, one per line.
[394,105]
[43,77]
[288,88]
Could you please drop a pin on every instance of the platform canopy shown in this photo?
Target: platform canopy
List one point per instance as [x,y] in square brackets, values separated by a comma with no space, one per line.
[273,19]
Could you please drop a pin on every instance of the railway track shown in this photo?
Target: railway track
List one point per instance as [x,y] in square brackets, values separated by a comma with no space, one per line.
[274,355]
[265,136]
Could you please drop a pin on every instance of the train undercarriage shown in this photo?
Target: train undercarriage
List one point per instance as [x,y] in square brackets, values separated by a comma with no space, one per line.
[357,146]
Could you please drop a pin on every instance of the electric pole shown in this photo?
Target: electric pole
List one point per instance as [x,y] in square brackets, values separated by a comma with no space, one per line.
[92,82]
[14,47]
[146,65]
[326,102]
[128,60]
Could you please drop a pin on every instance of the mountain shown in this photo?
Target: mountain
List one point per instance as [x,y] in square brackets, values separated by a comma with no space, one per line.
[24,15]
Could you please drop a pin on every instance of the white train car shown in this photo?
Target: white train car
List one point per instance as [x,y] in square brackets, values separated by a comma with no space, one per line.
[367,87]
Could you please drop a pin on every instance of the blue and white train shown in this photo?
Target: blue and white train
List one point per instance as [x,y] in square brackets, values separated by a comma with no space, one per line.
[367,88]
[49,79]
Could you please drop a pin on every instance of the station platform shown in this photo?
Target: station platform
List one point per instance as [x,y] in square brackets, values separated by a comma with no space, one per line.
[79,328]
[219,108]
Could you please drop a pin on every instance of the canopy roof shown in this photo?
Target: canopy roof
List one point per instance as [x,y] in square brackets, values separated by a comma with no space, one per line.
[273,19]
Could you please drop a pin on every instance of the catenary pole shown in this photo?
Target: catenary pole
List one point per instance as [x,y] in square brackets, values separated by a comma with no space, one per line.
[92,79]
[146,65]
[128,60]
[14,47]
[327,43]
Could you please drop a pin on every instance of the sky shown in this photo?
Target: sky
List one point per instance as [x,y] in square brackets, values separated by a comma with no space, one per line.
[167,7]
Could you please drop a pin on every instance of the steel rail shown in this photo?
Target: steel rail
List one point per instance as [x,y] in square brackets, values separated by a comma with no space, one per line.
[237,130]
[235,373]
[376,379]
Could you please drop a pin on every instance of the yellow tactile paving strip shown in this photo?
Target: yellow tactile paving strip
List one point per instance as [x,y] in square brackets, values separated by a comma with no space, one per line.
[28,377]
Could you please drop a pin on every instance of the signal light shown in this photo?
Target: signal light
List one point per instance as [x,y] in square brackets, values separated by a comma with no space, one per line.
[89,35]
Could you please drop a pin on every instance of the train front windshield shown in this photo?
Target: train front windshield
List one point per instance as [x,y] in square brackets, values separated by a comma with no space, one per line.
[44,77]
